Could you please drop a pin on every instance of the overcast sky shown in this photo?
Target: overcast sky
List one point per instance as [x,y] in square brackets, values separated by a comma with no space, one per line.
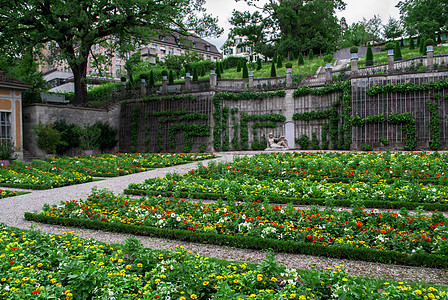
[355,11]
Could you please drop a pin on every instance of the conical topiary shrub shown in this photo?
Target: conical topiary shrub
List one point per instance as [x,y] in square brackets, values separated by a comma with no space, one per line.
[258,64]
[301,60]
[273,71]
[245,70]
[171,77]
[369,56]
[311,55]
[279,62]
[398,55]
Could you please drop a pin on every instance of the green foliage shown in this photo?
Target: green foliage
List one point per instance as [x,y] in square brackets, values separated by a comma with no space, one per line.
[245,70]
[47,137]
[434,123]
[407,87]
[273,71]
[303,141]
[310,54]
[408,122]
[288,65]
[422,47]
[411,43]
[151,79]
[89,136]
[134,128]
[328,58]
[258,63]
[312,115]
[279,62]
[429,42]
[108,136]
[195,74]
[369,56]
[238,66]
[314,142]
[398,55]
[8,151]
[353,49]
[301,60]
[171,77]
[384,141]
[69,136]
[324,136]
[366,147]
[389,46]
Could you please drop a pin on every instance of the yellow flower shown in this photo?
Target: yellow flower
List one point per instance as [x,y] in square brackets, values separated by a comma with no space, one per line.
[182,298]
[274,279]
[205,283]
[193,296]
[128,267]
[292,296]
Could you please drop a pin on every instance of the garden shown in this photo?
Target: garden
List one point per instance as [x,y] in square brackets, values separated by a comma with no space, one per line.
[250,203]
[41,266]
[62,171]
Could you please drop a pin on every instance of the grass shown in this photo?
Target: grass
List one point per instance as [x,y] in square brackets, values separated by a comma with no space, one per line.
[406,53]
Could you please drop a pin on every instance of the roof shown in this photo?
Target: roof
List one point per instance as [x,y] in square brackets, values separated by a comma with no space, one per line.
[9,82]
[201,45]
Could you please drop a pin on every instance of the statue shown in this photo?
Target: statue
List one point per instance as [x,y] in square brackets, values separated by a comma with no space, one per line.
[277,143]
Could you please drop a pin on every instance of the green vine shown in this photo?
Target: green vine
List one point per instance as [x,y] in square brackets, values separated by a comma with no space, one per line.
[434,123]
[407,87]
[235,140]
[314,141]
[225,129]
[312,115]
[134,129]
[189,130]
[324,136]
[408,122]
[248,95]
[306,90]
[217,117]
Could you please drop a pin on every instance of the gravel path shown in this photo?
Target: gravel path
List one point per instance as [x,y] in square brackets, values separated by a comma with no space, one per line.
[13,208]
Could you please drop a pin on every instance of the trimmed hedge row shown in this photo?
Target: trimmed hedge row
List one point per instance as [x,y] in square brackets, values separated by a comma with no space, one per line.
[245,242]
[299,201]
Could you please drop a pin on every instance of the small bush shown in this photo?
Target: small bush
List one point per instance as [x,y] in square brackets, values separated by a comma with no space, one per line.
[303,141]
[301,60]
[288,65]
[273,71]
[389,46]
[328,58]
[429,42]
[366,147]
[353,49]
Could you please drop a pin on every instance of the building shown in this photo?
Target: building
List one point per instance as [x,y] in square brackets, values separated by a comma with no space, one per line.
[237,49]
[11,110]
[158,49]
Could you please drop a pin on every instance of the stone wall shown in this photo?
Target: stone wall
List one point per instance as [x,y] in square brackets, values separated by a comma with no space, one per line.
[47,113]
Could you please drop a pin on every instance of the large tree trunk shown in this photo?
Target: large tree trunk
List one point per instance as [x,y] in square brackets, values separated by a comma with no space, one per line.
[79,75]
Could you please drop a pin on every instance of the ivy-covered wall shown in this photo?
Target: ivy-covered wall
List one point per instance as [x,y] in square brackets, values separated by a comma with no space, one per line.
[178,123]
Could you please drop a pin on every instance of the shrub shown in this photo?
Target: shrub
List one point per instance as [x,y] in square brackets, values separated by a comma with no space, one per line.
[245,71]
[301,60]
[171,77]
[353,49]
[314,142]
[389,46]
[279,62]
[195,74]
[311,55]
[384,141]
[303,141]
[429,42]
[259,67]
[7,151]
[328,58]
[47,137]
[151,78]
[398,55]
[238,66]
[164,73]
[108,136]
[89,136]
[273,71]
[411,43]
[69,137]
[422,47]
[366,147]
[369,56]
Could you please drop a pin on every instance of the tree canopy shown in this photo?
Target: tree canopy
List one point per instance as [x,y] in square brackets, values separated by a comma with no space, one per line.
[290,25]
[72,27]
[424,17]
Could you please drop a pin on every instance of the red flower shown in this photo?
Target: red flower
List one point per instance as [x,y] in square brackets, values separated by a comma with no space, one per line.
[308,237]
[157,297]
[35,292]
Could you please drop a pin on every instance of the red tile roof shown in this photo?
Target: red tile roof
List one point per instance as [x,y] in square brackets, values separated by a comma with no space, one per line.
[6,81]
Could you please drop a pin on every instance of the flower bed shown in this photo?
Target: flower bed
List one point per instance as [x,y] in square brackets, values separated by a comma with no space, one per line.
[299,191]
[348,166]
[357,234]
[112,165]
[21,175]
[8,193]
[40,266]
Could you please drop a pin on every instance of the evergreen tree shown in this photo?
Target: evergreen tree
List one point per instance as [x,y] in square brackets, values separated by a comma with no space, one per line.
[279,62]
[226,64]
[301,60]
[422,47]
[369,56]
[398,55]
[411,43]
[273,72]
[402,43]
[439,38]
[311,55]
[218,72]
[258,64]
[238,66]
[151,79]
[221,67]
[245,70]
[202,71]
[171,77]
[195,74]
[274,59]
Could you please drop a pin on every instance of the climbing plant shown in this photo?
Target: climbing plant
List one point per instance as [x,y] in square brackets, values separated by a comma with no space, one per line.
[434,123]
[134,128]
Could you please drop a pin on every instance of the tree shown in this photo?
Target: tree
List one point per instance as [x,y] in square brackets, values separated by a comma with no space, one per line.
[423,17]
[290,24]
[398,55]
[195,74]
[301,60]
[245,70]
[71,27]
[151,79]
[279,62]
[411,43]
[273,71]
[129,66]
[238,66]
[369,56]
[311,55]
[393,29]
[171,77]
[177,62]
[258,63]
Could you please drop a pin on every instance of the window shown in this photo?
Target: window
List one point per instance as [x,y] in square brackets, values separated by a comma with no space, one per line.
[239,50]
[162,51]
[5,127]
[170,51]
[161,38]
[207,48]
[194,45]
[178,52]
